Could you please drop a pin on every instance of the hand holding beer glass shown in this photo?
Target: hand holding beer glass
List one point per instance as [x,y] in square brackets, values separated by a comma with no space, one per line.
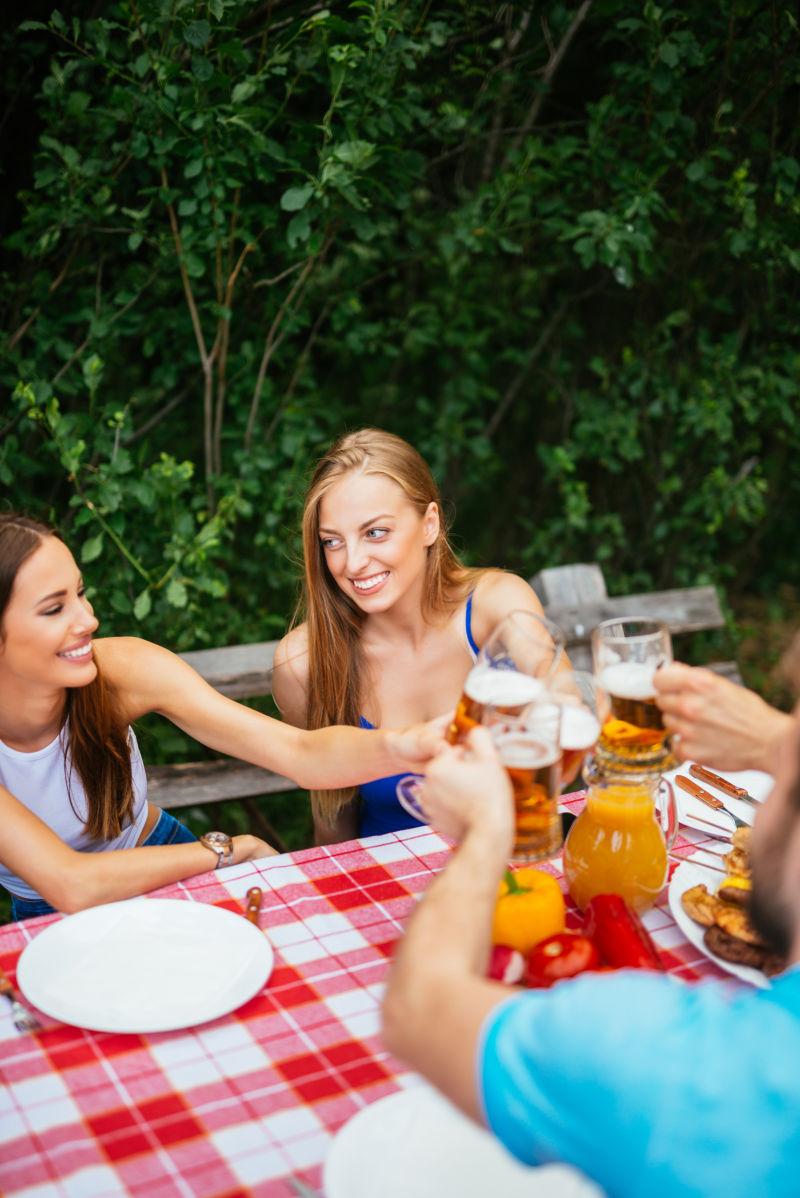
[627,653]
[513,668]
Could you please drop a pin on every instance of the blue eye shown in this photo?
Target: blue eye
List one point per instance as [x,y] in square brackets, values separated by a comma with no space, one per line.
[330,542]
[379,533]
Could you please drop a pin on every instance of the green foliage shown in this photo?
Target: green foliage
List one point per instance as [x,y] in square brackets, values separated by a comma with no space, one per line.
[557,250]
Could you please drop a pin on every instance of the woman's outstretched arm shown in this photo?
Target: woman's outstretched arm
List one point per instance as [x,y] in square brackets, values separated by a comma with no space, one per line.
[149,678]
[71,881]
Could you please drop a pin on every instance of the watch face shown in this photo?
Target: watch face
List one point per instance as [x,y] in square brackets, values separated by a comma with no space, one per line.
[220,840]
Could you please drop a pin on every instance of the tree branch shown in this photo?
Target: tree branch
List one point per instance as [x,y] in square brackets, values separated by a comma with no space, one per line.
[553,64]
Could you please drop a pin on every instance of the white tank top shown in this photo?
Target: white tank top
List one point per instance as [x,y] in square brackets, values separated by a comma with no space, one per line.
[38,780]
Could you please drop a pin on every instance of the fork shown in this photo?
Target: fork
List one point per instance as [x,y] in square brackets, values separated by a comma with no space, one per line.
[24,1020]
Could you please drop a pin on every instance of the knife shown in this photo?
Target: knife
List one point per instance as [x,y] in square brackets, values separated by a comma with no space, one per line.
[253,905]
[710,800]
[712,779]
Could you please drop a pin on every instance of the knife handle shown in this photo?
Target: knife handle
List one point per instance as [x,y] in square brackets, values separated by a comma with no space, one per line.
[253,904]
[698,792]
[728,788]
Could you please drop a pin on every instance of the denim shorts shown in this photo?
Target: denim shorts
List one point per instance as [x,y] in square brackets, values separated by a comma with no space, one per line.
[167,830]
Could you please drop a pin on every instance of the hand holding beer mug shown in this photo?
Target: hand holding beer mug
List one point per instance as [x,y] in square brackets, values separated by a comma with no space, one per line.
[512,669]
[584,710]
[528,744]
[626,655]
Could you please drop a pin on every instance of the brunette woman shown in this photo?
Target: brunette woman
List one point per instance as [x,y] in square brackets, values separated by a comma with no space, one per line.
[73,792]
[392,620]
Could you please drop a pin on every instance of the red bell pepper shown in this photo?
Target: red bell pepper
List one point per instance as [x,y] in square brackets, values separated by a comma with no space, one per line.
[558,957]
[620,935]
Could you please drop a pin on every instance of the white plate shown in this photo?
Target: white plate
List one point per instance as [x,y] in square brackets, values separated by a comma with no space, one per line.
[415,1144]
[690,873]
[145,965]
[757,784]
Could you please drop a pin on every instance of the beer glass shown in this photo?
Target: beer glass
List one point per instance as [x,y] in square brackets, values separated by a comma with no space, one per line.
[584,708]
[626,655]
[528,745]
[513,668]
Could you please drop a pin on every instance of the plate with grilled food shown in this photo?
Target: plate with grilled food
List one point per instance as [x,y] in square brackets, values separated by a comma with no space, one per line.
[711,911]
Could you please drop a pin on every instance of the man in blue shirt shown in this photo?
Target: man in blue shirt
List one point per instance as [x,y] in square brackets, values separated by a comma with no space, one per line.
[650,1086]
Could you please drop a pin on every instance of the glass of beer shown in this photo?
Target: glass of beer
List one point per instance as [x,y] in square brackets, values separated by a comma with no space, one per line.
[513,669]
[626,655]
[584,708]
[528,744]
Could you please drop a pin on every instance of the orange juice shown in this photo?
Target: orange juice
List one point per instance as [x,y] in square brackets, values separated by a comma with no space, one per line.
[616,845]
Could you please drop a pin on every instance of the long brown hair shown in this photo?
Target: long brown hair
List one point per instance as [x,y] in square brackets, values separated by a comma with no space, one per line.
[336,678]
[97,744]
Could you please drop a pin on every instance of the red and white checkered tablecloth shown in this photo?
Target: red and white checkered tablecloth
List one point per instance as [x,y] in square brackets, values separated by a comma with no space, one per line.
[231,1108]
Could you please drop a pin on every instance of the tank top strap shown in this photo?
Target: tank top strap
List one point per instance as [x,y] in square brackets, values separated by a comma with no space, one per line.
[473,648]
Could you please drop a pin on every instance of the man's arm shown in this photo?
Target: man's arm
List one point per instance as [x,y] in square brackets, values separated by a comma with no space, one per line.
[716,722]
[437,997]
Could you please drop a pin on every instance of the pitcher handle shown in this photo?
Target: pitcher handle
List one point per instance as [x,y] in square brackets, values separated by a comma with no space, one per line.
[667,811]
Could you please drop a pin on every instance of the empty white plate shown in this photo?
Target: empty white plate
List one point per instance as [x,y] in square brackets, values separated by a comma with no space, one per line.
[416,1144]
[145,965]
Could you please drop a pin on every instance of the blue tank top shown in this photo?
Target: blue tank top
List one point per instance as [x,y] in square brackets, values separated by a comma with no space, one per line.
[379,810]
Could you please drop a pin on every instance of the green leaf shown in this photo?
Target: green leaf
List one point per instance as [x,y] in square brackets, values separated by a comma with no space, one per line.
[176,594]
[193,168]
[92,548]
[134,241]
[143,605]
[355,153]
[197,34]
[202,69]
[243,91]
[296,198]
[299,229]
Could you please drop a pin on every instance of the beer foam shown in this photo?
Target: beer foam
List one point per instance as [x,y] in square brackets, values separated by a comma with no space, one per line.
[580,728]
[502,688]
[519,751]
[629,680]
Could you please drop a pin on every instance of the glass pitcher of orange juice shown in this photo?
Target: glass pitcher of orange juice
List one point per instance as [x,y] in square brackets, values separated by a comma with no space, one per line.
[619,842]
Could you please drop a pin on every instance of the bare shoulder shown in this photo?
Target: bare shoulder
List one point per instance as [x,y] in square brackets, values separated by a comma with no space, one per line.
[290,675]
[496,594]
[140,671]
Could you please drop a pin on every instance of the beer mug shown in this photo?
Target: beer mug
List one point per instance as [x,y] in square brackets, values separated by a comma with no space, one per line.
[626,655]
[513,669]
[584,708]
[528,745]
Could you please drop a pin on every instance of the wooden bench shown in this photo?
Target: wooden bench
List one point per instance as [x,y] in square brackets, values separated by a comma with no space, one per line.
[574,596]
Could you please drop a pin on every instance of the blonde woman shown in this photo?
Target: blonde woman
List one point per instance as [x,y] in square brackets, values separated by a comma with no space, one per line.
[77,826]
[392,621]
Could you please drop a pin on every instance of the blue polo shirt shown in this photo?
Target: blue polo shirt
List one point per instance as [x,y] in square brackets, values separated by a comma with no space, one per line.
[651,1086]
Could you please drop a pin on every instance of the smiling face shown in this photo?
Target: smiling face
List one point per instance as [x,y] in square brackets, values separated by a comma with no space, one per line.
[47,626]
[374,540]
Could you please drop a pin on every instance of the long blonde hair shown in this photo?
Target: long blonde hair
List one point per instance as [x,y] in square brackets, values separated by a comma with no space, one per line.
[336,677]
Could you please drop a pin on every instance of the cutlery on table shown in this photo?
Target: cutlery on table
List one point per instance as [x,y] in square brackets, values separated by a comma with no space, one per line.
[717,869]
[719,783]
[698,792]
[253,905]
[715,831]
[24,1020]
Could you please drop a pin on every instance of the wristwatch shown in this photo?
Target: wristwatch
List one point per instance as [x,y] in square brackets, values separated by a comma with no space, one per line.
[221,844]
